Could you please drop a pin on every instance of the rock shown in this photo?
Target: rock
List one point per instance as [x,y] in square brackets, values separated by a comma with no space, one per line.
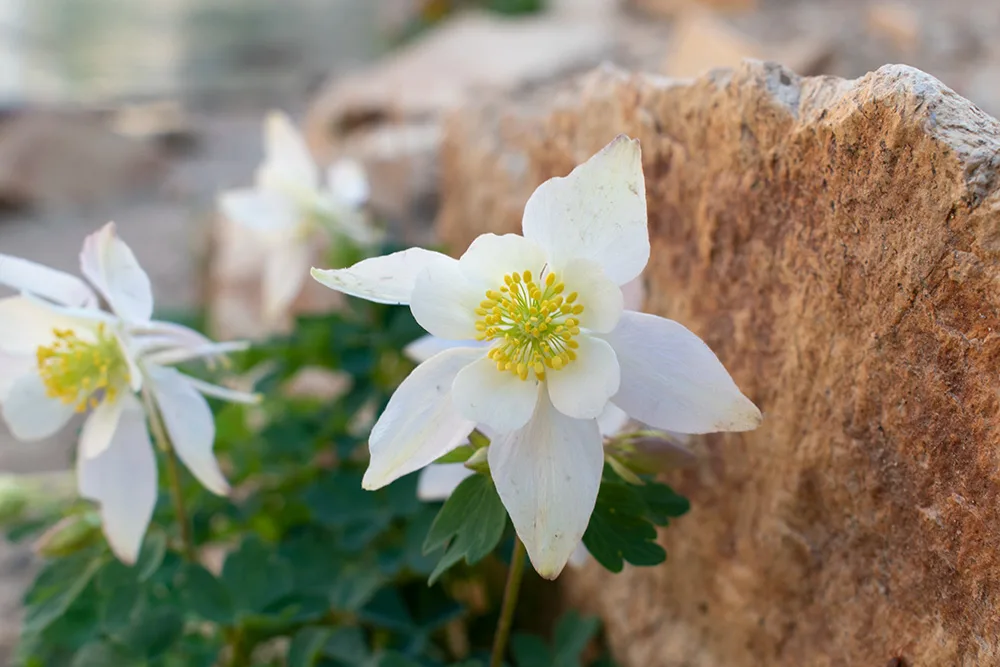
[897,22]
[65,159]
[702,41]
[671,8]
[837,243]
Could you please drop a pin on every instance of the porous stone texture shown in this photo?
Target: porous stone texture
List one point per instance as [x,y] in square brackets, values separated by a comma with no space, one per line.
[837,243]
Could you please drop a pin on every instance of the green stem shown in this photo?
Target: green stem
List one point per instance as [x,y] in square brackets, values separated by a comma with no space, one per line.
[510,595]
[173,475]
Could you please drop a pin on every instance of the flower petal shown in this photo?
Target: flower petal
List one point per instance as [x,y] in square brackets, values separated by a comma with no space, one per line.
[420,423]
[286,155]
[547,475]
[30,413]
[348,182]
[260,210]
[582,388]
[671,380]
[634,293]
[26,324]
[108,263]
[444,302]
[600,297]
[491,257]
[612,420]
[498,399]
[100,427]
[58,286]
[285,270]
[122,479]
[386,279]
[190,425]
[598,212]
[579,557]
[438,480]
[427,346]
[12,367]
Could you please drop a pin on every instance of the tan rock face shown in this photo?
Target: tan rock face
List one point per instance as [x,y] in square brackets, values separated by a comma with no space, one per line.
[837,244]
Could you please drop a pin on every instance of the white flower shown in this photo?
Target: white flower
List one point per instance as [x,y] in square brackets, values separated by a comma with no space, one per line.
[289,204]
[559,346]
[60,354]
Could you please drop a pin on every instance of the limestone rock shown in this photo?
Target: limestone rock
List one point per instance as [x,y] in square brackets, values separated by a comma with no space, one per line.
[837,243]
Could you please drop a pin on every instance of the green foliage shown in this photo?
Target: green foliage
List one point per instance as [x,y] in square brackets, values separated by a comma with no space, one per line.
[572,635]
[623,526]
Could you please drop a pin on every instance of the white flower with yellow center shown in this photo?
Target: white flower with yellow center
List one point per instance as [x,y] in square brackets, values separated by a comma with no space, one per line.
[557,347]
[289,205]
[61,355]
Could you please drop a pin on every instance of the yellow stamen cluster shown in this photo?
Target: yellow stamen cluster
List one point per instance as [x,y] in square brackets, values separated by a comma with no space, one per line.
[532,322]
[82,373]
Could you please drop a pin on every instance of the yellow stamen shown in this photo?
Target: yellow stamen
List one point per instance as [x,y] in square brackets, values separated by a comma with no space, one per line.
[82,373]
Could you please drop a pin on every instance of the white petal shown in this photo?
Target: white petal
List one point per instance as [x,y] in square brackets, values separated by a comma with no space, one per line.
[223,393]
[547,475]
[286,156]
[634,294]
[579,557]
[63,288]
[444,302]
[386,279]
[600,297]
[612,420]
[285,270]
[438,480]
[30,413]
[348,182]
[427,346]
[12,368]
[99,429]
[671,380]
[190,425]
[498,399]
[582,388]
[26,324]
[260,210]
[420,423]
[108,263]
[122,479]
[491,257]
[175,355]
[598,212]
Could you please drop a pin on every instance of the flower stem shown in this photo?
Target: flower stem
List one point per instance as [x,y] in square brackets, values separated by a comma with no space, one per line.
[510,594]
[173,475]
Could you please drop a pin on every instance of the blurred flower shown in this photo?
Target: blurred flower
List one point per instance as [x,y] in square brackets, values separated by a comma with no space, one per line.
[61,354]
[557,347]
[289,205]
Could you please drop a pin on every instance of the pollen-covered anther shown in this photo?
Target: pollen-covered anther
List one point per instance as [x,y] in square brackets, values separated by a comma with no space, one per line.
[532,323]
[82,373]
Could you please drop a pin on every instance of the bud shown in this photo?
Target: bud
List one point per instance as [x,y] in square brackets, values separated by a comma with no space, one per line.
[69,535]
[648,452]
[478,462]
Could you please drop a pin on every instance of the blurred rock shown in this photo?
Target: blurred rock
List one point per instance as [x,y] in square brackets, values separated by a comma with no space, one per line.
[702,41]
[54,159]
[897,22]
[164,123]
[837,243]
[671,8]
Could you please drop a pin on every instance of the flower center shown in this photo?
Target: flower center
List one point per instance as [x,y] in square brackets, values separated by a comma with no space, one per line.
[533,324]
[82,373]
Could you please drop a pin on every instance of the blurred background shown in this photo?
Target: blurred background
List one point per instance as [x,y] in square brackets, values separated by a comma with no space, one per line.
[142,111]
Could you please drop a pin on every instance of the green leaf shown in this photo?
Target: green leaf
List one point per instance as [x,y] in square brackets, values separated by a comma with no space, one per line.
[530,651]
[117,606]
[154,632]
[348,645]
[619,530]
[662,503]
[151,556]
[307,647]
[471,523]
[204,595]
[354,587]
[460,454]
[573,633]
[255,576]
[56,588]
[104,654]
[393,659]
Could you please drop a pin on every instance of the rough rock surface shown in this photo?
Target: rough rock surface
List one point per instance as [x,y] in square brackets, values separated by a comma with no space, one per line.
[837,243]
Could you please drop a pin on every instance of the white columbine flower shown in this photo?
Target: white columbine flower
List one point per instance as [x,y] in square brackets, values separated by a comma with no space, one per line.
[61,354]
[289,204]
[558,347]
